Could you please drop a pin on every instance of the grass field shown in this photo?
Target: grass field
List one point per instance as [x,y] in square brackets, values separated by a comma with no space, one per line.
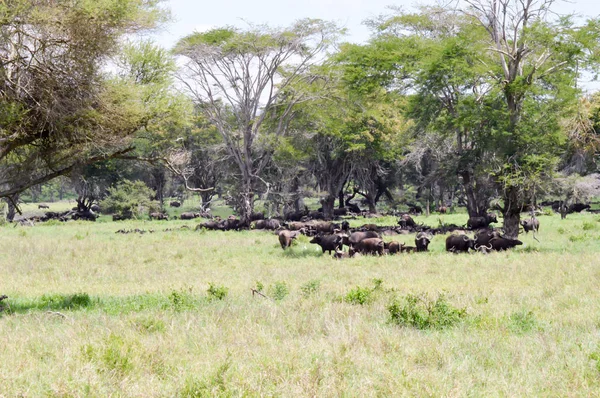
[172,314]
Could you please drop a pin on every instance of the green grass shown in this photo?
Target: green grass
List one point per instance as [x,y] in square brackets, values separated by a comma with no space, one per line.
[172,314]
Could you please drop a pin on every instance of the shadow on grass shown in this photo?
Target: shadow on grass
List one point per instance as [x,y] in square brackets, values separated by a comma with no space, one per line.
[298,252]
[52,302]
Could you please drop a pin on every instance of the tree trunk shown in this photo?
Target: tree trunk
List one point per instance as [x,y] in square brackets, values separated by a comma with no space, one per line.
[246,202]
[341,202]
[372,205]
[12,209]
[328,203]
[512,213]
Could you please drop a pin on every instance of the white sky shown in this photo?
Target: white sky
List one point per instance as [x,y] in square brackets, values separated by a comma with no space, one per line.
[192,15]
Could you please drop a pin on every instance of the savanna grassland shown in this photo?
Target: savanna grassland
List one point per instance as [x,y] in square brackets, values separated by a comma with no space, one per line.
[172,314]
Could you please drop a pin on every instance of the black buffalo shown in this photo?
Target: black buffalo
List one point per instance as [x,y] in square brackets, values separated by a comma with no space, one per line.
[459,243]
[406,221]
[328,242]
[422,241]
[356,237]
[481,222]
[501,243]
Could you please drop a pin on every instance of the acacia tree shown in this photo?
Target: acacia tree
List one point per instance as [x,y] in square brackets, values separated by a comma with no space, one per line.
[241,78]
[496,77]
[59,109]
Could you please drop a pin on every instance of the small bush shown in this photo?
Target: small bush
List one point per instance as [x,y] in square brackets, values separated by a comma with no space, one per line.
[587,226]
[359,295]
[129,199]
[216,292]
[578,238]
[421,312]
[259,286]
[279,290]
[522,322]
[310,287]
[181,300]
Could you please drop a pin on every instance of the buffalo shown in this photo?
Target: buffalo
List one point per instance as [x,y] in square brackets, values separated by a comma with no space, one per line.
[393,247]
[296,215]
[95,208]
[211,225]
[370,246]
[356,237]
[270,224]
[502,243]
[158,216]
[442,209]
[369,227]
[328,242]
[578,208]
[175,204]
[189,215]
[406,221]
[43,206]
[286,237]
[459,243]
[481,222]
[422,241]
[533,224]
[484,235]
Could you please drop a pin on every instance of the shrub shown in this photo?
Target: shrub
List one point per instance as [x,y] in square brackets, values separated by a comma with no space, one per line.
[279,290]
[310,287]
[129,199]
[358,295]
[181,300]
[60,301]
[216,292]
[421,312]
[522,322]
[588,226]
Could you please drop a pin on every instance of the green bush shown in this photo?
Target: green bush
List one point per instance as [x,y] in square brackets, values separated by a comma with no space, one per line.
[216,292]
[129,199]
[522,322]
[421,312]
[310,287]
[279,290]
[359,295]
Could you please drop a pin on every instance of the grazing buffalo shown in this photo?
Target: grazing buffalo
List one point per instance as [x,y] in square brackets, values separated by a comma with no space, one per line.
[328,242]
[356,237]
[175,204]
[189,215]
[442,209]
[414,209]
[459,243]
[406,221]
[158,216]
[370,246]
[393,247]
[501,243]
[286,237]
[233,223]
[533,224]
[578,207]
[43,207]
[211,225]
[481,222]
[422,241]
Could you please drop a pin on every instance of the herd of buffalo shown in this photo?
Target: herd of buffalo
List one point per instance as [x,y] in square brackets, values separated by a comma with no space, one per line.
[368,239]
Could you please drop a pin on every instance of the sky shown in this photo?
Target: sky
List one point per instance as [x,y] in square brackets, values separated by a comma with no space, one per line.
[197,15]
